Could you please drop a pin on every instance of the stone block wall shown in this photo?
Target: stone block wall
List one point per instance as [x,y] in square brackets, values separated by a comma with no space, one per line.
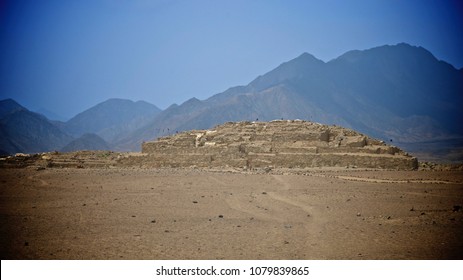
[278,144]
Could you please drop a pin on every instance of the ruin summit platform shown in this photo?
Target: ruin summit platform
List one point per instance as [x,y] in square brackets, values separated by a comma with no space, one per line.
[286,144]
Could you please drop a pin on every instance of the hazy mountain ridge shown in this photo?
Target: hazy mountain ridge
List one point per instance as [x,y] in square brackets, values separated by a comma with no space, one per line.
[29,132]
[9,106]
[111,118]
[403,79]
[88,141]
[400,93]
[26,131]
[397,93]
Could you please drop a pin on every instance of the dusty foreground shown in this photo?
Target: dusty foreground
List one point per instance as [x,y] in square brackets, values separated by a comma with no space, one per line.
[121,213]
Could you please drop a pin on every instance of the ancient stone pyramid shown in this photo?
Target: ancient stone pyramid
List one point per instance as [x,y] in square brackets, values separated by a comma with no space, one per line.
[287,144]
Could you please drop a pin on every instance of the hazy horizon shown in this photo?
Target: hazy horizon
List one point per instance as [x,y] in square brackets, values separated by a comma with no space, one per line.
[65,57]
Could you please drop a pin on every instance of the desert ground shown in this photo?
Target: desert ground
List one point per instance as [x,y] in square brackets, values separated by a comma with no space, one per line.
[191,213]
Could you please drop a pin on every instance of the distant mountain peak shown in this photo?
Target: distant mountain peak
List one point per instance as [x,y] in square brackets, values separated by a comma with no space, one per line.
[400,55]
[302,62]
[26,131]
[8,106]
[303,65]
[9,102]
[110,117]
[307,57]
[116,101]
[192,100]
[396,51]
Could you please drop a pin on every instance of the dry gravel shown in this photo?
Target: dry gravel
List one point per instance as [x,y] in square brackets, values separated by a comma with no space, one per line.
[134,213]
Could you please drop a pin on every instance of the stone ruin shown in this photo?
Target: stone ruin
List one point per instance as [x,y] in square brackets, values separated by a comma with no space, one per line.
[275,144]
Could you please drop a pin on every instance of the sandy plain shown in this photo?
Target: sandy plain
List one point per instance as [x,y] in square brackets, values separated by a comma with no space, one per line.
[142,213]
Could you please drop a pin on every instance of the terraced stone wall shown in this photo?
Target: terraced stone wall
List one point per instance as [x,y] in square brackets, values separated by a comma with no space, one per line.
[277,144]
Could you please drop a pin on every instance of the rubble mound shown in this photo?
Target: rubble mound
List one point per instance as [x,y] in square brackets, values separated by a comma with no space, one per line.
[78,159]
[285,144]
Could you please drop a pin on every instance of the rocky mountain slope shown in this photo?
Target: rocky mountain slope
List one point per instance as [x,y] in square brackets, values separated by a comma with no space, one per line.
[24,131]
[111,119]
[9,106]
[88,141]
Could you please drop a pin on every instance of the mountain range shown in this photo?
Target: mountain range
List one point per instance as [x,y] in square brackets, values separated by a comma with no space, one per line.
[111,119]
[400,94]
[94,129]
[24,131]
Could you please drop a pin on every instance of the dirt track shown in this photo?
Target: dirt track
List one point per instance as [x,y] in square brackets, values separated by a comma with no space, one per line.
[124,213]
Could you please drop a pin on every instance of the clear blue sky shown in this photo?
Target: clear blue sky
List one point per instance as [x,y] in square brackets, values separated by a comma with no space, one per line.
[66,56]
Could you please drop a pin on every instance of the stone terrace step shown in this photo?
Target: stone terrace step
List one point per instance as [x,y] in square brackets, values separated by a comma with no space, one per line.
[278,143]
